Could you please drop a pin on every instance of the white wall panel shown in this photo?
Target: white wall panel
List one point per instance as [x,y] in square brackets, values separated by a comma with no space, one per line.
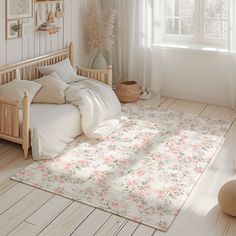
[2,34]
[195,75]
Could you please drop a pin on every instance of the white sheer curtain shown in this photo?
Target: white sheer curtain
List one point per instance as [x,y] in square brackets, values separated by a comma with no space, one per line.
[135,58]
[232,53]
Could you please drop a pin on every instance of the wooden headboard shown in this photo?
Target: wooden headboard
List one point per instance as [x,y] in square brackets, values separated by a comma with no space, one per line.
[28,68]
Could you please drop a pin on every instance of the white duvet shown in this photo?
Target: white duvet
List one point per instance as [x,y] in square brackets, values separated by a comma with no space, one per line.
[92,108]
[99,107]
[52,128]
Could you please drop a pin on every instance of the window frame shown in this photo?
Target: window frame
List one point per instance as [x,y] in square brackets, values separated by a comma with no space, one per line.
[199,37]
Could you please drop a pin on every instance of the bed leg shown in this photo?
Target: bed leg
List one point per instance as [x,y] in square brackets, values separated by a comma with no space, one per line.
[25,144]
[26,153]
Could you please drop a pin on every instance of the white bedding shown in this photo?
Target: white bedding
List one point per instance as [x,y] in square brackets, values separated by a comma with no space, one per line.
[99,107]
[96,111]
[52,128]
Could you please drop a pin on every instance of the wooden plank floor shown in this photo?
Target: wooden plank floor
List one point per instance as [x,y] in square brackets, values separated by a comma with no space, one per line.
[26,211]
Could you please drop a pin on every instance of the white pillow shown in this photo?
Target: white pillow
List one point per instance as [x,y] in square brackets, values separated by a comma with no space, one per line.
[52,91]
[15,90]
[64,70]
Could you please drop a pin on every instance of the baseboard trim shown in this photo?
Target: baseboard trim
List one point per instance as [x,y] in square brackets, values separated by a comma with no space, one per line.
[195,98]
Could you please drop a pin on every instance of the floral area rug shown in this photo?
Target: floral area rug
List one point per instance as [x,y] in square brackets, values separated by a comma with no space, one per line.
[144,172]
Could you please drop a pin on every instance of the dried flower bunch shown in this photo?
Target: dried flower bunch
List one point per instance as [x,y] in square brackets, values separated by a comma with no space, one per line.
[101,29]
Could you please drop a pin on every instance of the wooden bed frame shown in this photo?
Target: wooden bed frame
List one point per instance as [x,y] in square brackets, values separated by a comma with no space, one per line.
[10,124]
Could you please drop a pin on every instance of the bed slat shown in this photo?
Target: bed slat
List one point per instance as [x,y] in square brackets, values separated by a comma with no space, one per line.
[15,123]
[104,76]
[9,119]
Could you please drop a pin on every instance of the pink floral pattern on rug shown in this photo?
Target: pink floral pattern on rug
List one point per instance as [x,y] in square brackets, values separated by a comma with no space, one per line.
[144,171]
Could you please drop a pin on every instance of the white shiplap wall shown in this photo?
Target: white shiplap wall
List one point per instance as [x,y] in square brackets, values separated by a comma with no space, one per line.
[40,43]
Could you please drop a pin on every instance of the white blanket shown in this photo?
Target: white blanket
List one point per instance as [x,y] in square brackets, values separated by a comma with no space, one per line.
[52,128]
[94,110]
[99,107]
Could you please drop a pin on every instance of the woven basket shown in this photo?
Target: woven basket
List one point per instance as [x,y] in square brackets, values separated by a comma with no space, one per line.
[127,91]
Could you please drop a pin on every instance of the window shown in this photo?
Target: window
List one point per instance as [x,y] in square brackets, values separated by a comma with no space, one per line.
[196,21]
[179,17]
[216,19]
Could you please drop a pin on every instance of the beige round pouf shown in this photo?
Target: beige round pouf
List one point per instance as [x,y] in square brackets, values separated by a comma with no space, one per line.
[227,198]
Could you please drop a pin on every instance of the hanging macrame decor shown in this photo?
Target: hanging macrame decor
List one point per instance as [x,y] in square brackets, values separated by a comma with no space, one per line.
[59,10]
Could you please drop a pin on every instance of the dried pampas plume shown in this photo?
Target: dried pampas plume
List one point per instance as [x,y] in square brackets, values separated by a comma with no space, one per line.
[101,29]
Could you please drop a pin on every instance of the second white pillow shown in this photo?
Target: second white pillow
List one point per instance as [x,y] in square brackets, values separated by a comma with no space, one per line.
[64,69]
[52,91]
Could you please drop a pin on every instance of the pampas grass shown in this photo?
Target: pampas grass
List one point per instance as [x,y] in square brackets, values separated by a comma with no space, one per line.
[101,29]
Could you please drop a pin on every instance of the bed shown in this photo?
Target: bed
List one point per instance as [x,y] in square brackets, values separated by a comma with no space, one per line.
[22,125]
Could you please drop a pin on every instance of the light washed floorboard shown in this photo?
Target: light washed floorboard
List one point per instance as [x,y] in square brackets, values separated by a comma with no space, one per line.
[231,231]
[39,220]
[143,230]
[11,218]
[111,226]
[5,147]
[6,186]
[200,215]
[67,222]
[9,156]
[128,228]
[11,162]
[188,107]
[92,224]
[222,113]
[167,103]
[13,195]
[153,102]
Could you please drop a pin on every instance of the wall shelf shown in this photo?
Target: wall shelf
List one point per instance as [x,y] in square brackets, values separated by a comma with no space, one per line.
[41,1]
[50,31]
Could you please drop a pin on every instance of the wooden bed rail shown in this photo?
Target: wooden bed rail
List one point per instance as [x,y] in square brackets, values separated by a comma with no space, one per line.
[104,76]
[28,68]
[9,119]
[10,122]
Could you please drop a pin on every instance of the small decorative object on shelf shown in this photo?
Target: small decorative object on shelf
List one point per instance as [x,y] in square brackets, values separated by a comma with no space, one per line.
[51,17]
[127,91]
[49,27]
[45,20]
[59,10]
[41,14]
